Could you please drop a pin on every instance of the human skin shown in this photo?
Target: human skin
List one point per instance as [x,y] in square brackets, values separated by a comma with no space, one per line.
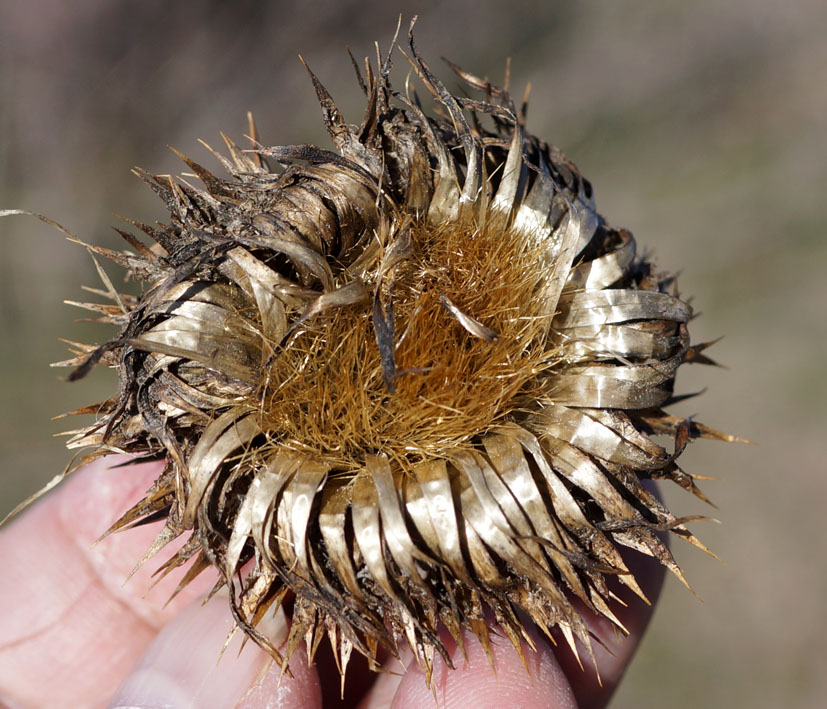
[73,634]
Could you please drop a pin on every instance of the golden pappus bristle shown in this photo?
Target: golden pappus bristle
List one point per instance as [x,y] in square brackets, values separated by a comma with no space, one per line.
[410,382]
[448,385]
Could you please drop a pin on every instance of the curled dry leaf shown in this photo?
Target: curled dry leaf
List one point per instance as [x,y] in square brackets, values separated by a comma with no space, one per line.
[407,383]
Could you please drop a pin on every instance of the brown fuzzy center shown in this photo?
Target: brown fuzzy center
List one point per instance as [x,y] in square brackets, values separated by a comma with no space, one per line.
[326,393]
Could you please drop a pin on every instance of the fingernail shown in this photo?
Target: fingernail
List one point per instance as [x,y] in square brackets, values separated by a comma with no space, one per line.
[184,667]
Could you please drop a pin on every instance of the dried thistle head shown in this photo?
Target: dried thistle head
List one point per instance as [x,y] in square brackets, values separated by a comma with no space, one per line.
[407,382]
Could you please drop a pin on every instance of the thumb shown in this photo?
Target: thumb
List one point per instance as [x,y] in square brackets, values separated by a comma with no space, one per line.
[184,665]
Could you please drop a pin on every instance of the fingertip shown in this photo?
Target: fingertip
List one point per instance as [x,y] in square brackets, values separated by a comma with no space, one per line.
[276,689]
[594,681]
[184,665]
[539,683]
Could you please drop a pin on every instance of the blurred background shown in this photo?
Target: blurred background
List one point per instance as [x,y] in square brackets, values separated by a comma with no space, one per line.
[702,128]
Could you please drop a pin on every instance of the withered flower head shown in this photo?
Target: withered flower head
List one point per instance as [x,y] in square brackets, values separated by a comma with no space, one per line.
[410,381]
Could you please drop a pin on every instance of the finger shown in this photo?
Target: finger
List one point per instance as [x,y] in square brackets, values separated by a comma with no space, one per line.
[593,685]
[76,629]
[91,500]
[276,690]
[184,666]
[540,683]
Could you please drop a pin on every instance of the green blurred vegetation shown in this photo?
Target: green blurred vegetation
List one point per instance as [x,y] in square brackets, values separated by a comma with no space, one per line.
[702,127]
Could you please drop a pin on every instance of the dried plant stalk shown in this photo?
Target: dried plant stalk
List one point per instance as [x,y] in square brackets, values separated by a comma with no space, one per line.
[405,382]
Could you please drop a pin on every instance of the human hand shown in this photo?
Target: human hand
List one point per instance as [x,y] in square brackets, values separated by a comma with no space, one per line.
[72,634]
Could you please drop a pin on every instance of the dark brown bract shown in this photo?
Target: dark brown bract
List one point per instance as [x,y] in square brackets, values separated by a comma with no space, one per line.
[409,383]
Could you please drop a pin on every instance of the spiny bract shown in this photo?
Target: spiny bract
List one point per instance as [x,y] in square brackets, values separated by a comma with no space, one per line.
[408,383]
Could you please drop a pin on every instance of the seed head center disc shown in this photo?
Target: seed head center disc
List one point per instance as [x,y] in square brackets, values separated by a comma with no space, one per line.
[326,394]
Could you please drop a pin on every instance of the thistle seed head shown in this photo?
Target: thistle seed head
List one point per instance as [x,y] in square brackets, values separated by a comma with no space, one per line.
[408,383]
